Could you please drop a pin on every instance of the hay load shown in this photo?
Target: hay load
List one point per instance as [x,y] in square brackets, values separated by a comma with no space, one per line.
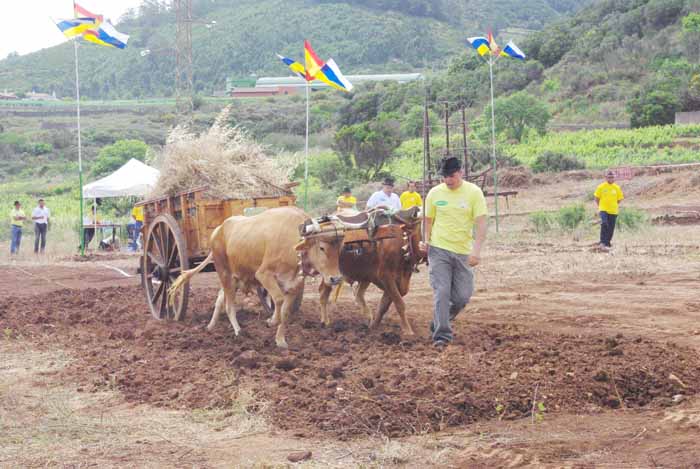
[225,160]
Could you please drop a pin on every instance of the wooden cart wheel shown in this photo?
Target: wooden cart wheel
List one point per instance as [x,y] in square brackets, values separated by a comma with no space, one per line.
[268,303]
[164,258]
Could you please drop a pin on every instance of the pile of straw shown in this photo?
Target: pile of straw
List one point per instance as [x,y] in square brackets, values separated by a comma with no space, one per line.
[224,160]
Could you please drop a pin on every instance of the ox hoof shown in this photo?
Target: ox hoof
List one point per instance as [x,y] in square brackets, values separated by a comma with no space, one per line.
[236,332]
[282,345]
[271,323]
[408,332]
[210,327]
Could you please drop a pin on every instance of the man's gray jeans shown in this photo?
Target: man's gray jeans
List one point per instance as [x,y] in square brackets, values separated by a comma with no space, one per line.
[452,281]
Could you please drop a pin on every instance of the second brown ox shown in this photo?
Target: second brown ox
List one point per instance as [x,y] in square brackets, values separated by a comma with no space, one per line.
[387,263]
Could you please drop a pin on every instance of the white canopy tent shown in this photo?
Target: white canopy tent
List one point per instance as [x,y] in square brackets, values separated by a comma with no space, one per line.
[133,179]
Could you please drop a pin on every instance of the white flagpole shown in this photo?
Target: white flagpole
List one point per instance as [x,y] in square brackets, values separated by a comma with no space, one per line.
[306,148]
[80,149]
[493,142]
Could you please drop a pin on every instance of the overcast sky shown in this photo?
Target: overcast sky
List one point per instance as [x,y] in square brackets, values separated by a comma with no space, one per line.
[25,25]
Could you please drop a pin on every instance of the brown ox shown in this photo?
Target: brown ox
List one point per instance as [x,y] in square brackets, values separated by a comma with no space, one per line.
[387,263]
[264,250]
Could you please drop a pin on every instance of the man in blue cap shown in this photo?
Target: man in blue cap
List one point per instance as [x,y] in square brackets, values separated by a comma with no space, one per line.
[452,210]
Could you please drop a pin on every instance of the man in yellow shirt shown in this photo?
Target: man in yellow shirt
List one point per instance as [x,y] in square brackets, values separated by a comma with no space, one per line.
[608,196]
[411,198]
[17,218]
[452,210]
[346,200]
[134,227]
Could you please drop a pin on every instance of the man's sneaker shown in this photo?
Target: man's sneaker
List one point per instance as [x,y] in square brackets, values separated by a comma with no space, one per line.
[440,344]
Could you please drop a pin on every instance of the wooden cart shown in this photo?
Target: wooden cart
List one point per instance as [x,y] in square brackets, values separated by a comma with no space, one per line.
[176,233]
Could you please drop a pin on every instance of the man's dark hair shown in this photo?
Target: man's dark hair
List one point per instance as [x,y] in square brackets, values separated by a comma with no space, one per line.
[449,165]
[16,202]
[346,189]
[388,181]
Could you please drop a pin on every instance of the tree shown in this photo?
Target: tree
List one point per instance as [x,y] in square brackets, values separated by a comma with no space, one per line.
[412,121]
[653,106]
[368,146]
[517,113]
[113,156]
[691,35]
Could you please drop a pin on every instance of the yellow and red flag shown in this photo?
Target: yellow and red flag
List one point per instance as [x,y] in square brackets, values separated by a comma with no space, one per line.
[313,63]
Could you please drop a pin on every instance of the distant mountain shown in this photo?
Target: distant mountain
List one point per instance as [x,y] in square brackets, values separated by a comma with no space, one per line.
[362,35]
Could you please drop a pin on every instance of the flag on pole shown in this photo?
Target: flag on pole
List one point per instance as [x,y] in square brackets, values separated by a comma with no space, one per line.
[330,74]
[294,66]
[481,44]
[513,51]
[75,26]
[106,35]
[313,63]
[495,50]
[80,12]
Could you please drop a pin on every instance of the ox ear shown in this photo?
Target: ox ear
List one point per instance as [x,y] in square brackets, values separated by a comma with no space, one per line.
[302,245]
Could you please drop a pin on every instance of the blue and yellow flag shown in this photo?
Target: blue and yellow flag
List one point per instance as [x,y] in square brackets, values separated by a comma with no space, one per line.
[327,72]
[76,26]
[106,35]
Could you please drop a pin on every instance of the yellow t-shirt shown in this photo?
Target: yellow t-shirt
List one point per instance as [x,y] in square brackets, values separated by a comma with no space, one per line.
[16,213]
[453,213]
[137,213]
[410,199]
[609,196]
[347,200]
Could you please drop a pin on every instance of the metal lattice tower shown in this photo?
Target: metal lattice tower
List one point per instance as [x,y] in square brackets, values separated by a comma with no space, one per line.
[183,73]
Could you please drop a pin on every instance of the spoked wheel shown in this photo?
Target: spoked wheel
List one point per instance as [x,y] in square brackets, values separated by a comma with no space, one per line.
[268,303]
[164,258]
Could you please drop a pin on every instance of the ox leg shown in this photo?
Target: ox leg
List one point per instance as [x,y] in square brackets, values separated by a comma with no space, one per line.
[360,299]
[324,294]
[230,294]
[396,298]
[382,308]
[220,302]
[269,282]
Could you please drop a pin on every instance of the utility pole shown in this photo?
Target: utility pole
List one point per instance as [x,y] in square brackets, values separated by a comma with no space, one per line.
[184,86]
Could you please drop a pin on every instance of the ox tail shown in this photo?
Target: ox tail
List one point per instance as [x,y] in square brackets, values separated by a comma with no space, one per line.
[185,277]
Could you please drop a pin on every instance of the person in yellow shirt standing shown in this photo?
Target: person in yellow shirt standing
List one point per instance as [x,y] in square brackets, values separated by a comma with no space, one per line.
[17,218]
[134,227]
[452,210]
[608,196]
[346,200]
[411,198]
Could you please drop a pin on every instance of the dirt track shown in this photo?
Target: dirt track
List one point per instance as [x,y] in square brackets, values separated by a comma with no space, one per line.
[582,351]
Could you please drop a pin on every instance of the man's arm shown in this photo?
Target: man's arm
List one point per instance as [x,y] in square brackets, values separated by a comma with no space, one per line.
[481,229]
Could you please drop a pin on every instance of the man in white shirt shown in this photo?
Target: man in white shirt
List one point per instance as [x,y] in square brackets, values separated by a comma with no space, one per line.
[385,198]
[40,216]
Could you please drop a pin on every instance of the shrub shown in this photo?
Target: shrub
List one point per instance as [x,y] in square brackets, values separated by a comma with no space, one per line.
[542,221]
[113,156]
[569,218]
[551,161]
[631,219]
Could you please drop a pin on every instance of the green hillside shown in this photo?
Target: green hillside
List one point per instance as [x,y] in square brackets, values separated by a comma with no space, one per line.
[619,58]
[362,35]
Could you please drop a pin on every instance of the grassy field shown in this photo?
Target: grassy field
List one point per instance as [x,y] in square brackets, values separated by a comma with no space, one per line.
[616,147]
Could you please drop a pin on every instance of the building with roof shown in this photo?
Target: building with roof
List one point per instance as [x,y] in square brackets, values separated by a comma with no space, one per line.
[298,82]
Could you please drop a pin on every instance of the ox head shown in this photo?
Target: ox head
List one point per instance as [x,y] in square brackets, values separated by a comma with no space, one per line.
[319,249]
